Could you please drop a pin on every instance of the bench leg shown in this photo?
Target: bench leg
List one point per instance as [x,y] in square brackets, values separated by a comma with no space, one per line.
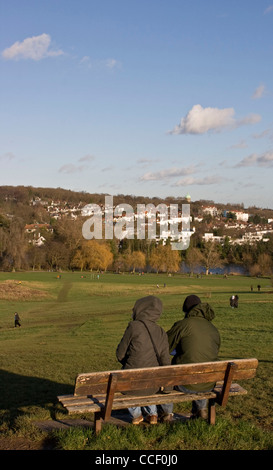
[212,412]
[98,422]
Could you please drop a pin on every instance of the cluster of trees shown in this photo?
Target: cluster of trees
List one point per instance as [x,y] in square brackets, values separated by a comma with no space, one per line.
[66,248]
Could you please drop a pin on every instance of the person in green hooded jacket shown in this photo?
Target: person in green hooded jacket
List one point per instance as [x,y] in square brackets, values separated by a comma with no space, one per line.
[195,339]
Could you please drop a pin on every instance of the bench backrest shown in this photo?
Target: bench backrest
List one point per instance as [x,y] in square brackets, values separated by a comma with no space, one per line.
[140,379]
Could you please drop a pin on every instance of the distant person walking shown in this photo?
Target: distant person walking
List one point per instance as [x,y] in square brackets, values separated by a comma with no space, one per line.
[16,320]
[232,301]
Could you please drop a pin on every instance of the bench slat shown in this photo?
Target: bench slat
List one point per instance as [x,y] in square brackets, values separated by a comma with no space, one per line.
[136,401]
[75,404]
[133,379]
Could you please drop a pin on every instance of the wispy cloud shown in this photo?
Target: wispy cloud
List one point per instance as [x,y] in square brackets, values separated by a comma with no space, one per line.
[107,168]
[145,162]
[87,158]
[168,173]
[259,92]
[8,156]
[206,180]
[201,120]
[261,135]
[35,48]
[109,64]
[70,168]
[269,9]
[264,160]
[240,145]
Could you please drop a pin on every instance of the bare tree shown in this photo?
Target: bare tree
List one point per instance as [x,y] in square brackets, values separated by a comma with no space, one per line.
[210,257]
[17,245]
[193,258]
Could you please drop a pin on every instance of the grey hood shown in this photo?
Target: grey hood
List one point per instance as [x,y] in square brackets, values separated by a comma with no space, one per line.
[148,308]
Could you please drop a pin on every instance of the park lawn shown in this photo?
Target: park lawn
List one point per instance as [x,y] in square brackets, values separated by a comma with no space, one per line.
[74,323]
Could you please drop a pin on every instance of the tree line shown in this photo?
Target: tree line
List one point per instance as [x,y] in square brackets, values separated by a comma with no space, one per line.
[66,249]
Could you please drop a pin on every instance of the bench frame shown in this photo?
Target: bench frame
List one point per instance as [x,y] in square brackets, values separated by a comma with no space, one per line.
[101,392]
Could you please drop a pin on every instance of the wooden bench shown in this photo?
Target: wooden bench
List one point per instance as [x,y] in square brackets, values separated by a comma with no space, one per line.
[101,392]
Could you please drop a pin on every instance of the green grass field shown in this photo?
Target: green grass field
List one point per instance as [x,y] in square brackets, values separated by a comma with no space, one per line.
[74,324]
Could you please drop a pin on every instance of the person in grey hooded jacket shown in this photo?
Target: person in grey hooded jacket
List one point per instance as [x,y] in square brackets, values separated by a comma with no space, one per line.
[136,349]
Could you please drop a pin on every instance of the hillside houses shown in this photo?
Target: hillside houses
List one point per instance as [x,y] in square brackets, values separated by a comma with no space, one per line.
[234,224]
[231,223]
[58,209]
[208,220]
[34,233]
[238,215]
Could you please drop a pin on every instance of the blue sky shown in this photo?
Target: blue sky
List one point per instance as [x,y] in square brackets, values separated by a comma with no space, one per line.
[148,97]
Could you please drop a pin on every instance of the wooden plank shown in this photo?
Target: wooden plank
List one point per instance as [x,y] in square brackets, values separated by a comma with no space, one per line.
[99,400]
[112,385]
[97,422]
[138,401]
[146,382]
[212,412]
[85,404]
[133,379]
[101,377]
[230,372]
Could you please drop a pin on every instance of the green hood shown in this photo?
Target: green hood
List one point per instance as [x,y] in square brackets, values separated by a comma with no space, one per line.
[202,310]
[147,308]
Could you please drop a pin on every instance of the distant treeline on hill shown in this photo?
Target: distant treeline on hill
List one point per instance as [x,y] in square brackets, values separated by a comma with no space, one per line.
[31,238]
[24,194]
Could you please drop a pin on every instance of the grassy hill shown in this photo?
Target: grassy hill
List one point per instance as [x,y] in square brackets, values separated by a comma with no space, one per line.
[74,323]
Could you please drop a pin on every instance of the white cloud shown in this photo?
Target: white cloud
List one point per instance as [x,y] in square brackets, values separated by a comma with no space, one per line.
[99,64]
[259,92]
[264,160]
[35,48]
[200,120]
[71,168]
[268,9]
[207,180]
[85,59]
[247,161]
[168,173]
[87,158]
[111,63]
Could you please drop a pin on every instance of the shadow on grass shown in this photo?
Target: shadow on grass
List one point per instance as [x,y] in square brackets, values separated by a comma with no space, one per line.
[19,391]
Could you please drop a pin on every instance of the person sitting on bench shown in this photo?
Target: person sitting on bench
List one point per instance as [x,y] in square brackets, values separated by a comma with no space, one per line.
[145,344]
[195,339]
